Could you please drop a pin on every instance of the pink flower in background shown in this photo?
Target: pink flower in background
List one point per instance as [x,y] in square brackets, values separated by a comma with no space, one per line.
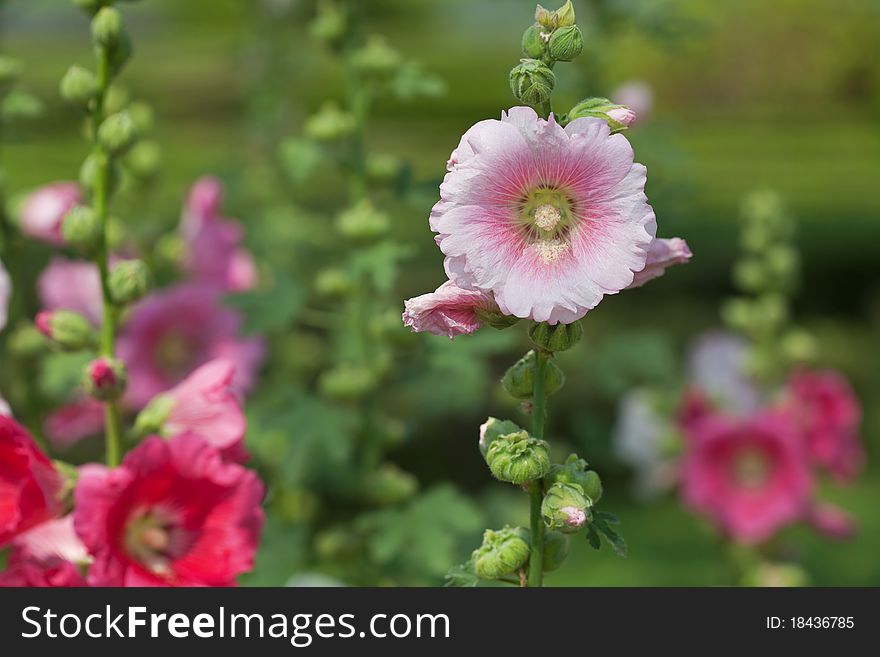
[71,285]
[44,209]
[448,311]
[172,332]
[831,521]
[637,95]
[829,415]
[29,482]
[662,254]
[173,514]
[72,422]
[214,253]
[547,219]
[49,555]
[5,410]
[717,371]
[749,475]
[204,404]
[5,295]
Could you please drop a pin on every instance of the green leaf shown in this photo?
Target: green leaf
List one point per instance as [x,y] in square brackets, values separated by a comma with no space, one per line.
[412,81]
[20,104]
[300,158]
[615,540]
[62,372]
[462,575]
[609,518]
[380,263]
[269,310]
[593,537]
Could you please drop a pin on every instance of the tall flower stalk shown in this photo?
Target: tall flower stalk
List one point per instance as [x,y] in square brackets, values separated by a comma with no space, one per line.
[540,215]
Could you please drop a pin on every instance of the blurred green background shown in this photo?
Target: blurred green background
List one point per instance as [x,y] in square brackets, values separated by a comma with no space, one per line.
[748,94]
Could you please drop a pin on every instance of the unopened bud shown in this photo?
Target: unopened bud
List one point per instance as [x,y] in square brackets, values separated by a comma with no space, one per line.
[117,133]
[376,58]
[91,6]
[129,281]
[556,337]
[27,341]
[105,378]
[382,168]
[329,25]
[534,46]
[81,229]
[68,329]
[556,547]
[518,458]
[389,485]
[503,552]
[79,86]
[151,420]
[347,382]
[532,82]
[492,429]
[91,168]
[329,124]
[496,319]
[519,380]
[565,508]
[333,282]
[10,70]
[363,221]
[574,471]
[565,15]
[566,43]
[144,159]
[107,28]
[618,117]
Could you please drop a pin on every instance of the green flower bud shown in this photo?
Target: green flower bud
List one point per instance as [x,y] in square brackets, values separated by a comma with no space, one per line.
[799,346]
[363,222]
[737,313]
[556,547]
[533,44]
[144,159]
[89,171]
[389,485]
[10,70]
[496,320]
[151,420]
[618,117]
[518,458]
[91,6]
[107,28]
[329,25]
[117,133]
[503,552]
[68,329]
[546,18]
[566,43]
[129,281]
[750,274]
[79,86]
[105,378]
[555,337]
[336,543]
[333,283]
[566,508]
[574,471]
[142,115]
[531,81]
[519,380]
[120,55]
[81,229]
[27,341]
[329,124]
[784,261]
[116,99]
[347,382]
[565,15]
[492,429]
[376,58]
[382,168]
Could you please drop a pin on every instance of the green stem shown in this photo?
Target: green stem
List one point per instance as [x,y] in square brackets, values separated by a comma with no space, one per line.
[536,488]
[544,109]
[101,201]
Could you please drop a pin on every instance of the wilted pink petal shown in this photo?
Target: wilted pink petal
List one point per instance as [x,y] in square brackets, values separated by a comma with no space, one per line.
[549,220]
[662,253]
[44,209]
[447,311]
[71,285]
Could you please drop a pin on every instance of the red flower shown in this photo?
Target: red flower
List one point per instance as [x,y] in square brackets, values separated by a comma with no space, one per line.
[828,414]
[46,556]
[173,514]
[29,483]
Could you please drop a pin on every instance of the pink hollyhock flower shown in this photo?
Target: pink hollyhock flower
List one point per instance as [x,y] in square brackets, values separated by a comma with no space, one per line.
[49,555]
[204,404]
[829,414]
[662,253]
[29,483]
[172,332]
[5,295]
[173,514]
[44,209]
[717,369]
[547,219]
[449,310]
[79,419]
[831,521]
[71,285]
[636,95]
[214,253]
[749,475]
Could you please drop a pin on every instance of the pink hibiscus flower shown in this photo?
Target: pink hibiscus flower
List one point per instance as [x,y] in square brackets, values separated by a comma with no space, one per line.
[72,422]
[749,475]
[449,310]
[214,254]
[43,211]
[173,514]
[547,219]
[71,285]
[172,332]
[829,414]
[49,555]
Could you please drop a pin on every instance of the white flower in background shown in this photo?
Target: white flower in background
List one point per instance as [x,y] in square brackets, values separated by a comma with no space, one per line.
[5,294]
[717,367]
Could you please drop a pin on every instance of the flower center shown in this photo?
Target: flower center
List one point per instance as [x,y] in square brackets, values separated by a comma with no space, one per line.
[175,355]
[154,540]
[547,217]
[549,251]
[751,468]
